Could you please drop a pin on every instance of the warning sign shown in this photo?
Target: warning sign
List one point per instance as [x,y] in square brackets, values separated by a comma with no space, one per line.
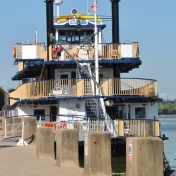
[86,144]
[130,150]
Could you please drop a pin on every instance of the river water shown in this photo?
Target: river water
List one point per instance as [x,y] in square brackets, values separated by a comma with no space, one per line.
[168,127]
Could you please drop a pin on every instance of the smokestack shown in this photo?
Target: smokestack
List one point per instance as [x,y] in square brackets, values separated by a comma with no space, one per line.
[49,23]
[115,20]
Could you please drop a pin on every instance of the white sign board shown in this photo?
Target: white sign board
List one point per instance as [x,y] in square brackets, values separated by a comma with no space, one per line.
[29,52]
[126,50]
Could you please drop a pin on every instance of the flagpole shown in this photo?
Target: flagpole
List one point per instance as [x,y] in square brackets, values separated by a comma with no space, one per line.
[96,59]
[96,50]
[36,35]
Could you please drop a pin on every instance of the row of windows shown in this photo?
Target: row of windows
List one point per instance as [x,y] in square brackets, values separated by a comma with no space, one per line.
[75,39]
[114,112]
[76,36]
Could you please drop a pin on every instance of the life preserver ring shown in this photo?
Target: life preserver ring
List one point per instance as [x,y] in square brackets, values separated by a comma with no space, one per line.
[58,49]
[48,125]
[14,52]
[62,126]
[54,50]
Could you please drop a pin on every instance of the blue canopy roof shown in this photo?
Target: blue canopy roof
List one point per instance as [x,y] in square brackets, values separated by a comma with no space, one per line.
[33,69]
[122,98]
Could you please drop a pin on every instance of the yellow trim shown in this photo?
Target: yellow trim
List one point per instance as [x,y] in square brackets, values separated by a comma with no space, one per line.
[81,17]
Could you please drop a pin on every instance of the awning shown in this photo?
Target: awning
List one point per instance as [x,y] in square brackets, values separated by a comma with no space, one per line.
[33,69]
[117,99]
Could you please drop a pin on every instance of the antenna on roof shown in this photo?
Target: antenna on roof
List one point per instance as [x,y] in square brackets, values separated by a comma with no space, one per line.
[87,7]
[58,3]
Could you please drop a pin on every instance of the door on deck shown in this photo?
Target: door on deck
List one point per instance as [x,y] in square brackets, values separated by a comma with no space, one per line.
[53,113]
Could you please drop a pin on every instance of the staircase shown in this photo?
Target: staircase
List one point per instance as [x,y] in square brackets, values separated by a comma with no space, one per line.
[91,104]
[91,109]
[84,75]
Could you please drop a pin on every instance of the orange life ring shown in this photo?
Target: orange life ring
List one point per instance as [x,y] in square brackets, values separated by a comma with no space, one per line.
[53,124]
[48,125]
[62,126]
[14,52]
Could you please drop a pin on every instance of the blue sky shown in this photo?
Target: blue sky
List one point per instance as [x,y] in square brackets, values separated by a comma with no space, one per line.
[152,23]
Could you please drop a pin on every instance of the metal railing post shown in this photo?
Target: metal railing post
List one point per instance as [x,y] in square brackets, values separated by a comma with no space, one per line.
[5,128]
[40,121]
[22,131]
[88,123]
[21,142]
[72,122]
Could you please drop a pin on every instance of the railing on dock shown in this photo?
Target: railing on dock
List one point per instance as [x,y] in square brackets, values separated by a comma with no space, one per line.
[18,129]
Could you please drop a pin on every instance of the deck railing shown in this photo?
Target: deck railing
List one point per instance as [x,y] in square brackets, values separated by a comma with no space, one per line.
[122,128]
[83,87]
[138,127]
[107,51]
[125,86]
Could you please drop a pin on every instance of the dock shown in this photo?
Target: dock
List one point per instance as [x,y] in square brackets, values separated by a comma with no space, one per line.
[18,161]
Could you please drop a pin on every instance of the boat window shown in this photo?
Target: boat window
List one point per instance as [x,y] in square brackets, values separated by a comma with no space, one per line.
[38,113]
[118,112]
[64,76]
[69,38]
[140,112]
[82,39]
[62,39]
[76,37]
[89,39]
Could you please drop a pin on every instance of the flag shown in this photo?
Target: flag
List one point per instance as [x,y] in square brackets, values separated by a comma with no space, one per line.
[94,6]
[35,40]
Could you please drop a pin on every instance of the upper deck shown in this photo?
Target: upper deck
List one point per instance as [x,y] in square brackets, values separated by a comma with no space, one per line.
[124,55]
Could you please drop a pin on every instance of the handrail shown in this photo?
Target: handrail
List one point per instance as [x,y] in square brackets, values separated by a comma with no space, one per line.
[76,87]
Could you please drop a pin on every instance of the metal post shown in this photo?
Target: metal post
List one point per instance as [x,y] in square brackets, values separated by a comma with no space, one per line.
[5,103]
[22,131]
[96,52]
[40,121]
[21,142]
[88,123]
[96,59]
[5,128]
[73,121]
[126,111]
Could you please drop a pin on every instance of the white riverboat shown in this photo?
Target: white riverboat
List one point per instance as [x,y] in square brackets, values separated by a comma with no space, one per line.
[76,80]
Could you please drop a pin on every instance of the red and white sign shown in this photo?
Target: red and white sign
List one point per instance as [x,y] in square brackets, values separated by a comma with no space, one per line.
[130,150]
[94,6]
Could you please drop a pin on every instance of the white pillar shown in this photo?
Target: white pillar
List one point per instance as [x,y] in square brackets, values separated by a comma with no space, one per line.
[57,11]
[57,35]
[96,52]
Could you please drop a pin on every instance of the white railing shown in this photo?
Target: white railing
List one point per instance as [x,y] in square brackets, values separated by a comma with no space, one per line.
[21,142]
[119,127]
[140,127]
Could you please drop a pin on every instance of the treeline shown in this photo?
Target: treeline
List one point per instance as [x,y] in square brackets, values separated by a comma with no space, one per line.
[1,98]
[167,109]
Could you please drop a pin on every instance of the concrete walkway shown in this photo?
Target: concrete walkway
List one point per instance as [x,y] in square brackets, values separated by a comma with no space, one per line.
[20,161]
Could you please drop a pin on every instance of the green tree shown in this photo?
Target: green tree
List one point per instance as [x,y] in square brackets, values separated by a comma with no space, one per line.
[166,109]
[1,98]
